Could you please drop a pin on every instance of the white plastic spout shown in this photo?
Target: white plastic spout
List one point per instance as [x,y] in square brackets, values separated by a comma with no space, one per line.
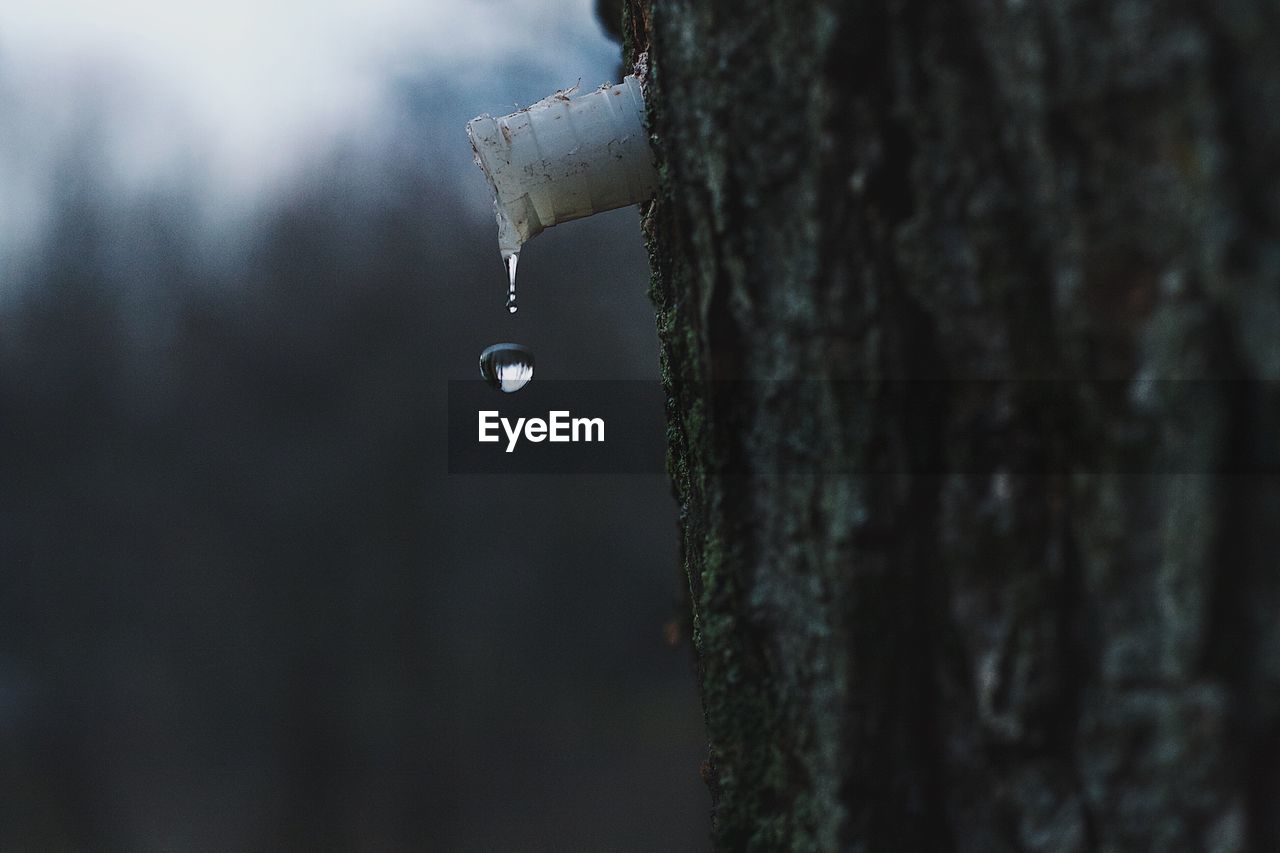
[565,158]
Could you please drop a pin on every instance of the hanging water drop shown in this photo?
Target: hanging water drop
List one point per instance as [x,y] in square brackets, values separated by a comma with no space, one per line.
[511,261]
[507,367]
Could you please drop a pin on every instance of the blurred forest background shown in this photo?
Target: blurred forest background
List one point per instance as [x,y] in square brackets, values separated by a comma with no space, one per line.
[242,606]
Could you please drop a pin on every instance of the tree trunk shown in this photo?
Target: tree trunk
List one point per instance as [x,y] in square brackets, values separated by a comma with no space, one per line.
[1031,603]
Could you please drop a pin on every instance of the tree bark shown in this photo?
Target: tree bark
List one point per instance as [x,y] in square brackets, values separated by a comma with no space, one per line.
[1031,603]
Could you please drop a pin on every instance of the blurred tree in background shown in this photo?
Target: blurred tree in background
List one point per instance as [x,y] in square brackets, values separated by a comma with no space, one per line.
[242,607]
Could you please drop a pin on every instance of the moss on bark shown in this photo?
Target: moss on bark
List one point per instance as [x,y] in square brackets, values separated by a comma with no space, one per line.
[975,643]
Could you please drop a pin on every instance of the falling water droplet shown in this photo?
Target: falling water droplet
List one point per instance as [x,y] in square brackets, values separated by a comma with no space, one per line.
[507,367]
[511,261]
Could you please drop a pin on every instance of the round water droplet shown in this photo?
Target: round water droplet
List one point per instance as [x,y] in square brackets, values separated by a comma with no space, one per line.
[507,367]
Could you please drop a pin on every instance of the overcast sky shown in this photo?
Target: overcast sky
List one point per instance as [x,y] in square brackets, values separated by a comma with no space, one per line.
[231,95]
[252,80]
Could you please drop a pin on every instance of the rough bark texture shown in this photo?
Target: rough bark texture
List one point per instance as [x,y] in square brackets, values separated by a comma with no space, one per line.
[1002,650]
